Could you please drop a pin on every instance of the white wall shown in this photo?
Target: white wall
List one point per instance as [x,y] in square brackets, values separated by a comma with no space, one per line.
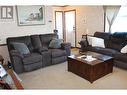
[89,18]
[9,28]
[56,8]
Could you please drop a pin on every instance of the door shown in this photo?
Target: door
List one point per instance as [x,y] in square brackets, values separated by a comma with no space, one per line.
[59,23]
[70,31]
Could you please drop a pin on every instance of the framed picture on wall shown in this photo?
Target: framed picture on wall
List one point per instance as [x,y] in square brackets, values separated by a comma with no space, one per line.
[30,15]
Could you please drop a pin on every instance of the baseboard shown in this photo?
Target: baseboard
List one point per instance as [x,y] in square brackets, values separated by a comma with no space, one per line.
[3,44]
[75,47]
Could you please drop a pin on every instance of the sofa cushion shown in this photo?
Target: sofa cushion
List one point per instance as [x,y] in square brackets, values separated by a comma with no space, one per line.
[32,58]
[102,35]
[122,35]
[41,49]
[115,46]
[21,47]
[120,64]
[59,59]
[36,42]
[31,67]
[121,57]
[46,38]
[117,41]
[106,51]
[57,52]
[55,43]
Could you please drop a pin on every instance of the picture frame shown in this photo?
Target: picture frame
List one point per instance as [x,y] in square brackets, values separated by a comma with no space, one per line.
[30,15]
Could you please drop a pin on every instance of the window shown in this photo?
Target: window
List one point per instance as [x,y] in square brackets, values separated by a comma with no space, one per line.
[120,23]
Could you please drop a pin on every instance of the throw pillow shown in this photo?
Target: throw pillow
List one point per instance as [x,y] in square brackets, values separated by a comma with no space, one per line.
[55,43]
[21,47]
[124,49]
[89,39]
[99,42]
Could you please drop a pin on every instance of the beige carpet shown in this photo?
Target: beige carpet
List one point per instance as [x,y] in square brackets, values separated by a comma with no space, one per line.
[57,77]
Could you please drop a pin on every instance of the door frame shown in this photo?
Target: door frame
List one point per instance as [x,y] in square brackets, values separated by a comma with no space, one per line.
[62,22]
[75,25]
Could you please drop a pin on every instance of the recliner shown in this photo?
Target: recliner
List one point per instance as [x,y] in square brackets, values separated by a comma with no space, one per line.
[40,53]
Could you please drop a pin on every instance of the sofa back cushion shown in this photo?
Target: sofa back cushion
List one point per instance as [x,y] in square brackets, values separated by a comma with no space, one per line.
[36,42]
[115,46]
[118,40]
[122,35]
[22,39]
[46,38]
[103,35]
[119,37]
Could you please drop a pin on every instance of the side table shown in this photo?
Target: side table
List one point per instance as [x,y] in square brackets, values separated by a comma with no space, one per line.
[10,80]
[16,81]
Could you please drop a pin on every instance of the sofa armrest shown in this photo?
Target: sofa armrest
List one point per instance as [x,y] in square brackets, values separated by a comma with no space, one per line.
[67,47]
[16,53]
[84,45]
[16,60]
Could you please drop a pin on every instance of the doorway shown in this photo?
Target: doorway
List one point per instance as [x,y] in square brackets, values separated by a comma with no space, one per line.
[70,24]
[65,23]
[59,23]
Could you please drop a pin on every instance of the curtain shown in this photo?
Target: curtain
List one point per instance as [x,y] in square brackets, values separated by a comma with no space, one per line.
[111,13]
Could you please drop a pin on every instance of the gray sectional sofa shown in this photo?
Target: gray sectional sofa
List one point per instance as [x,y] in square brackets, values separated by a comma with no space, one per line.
[40,54]
[113,45]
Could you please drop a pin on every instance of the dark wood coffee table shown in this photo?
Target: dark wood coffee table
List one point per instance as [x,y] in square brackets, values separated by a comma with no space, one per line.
[93,70]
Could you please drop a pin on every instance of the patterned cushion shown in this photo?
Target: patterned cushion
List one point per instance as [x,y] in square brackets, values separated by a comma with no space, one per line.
[55,43]
[21,47]
[124,49]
